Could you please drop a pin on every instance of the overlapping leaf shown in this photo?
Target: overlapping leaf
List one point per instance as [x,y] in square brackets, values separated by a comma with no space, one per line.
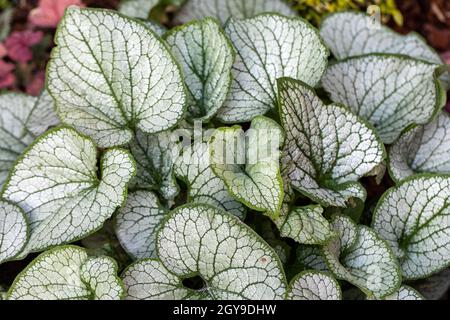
[269,47]
[390,91]
[327,148]
[13,231]
[314,285]
[110,75]
[248,163]
[206,57]
[422,149]
[67,273]
[137,8]
[360,257]
[414,218]
[224,9]
[55,182]
[233,261]
[405,293]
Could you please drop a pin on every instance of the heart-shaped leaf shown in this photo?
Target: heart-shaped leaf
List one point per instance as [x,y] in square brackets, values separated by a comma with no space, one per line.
[137,8]
[206,57]
[390,91]
[22,119]
[110,75]
[137,223]
[414,218]
[360,257]
[230,258]
[224,9]
[327,148]
[268,47]
[248,163]
[194,168]
[55,183]
[314,285]
[422,149]
[13,231]
[67,273]
[349,34]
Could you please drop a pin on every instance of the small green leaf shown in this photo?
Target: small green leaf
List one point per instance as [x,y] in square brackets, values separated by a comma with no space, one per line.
[327,148]
[206,57]
[248,163]
[314,285]
[13,231]
[137,223]
[422,149]
[110,75]
[137,8]
[390,91]
[414,219]
[269,47]
[66,273]
[224,9]
[55,183]
[360,257]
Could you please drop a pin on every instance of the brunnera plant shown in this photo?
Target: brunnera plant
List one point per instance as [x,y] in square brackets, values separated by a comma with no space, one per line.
[229,159]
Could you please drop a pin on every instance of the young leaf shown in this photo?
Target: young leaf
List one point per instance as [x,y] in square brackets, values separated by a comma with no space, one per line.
[22,119]
[422,149]
[404,293]
[13,231]
[349,34]
[110,76]
[360,257]
[224,9]
[390,91]
[248,163]
[233,261]
[154,155]
[206,57]
[314,285]
[66,273]
[137,222]
[327,148]
[414,218]
[194,168]
[268,47]
[137,8]
[55,182]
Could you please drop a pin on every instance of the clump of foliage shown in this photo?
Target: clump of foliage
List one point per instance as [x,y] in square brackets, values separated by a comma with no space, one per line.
[231,159]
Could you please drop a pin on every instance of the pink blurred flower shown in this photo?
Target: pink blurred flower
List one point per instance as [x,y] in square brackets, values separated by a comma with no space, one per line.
[3,50]
[49,12]
[7,77]
[19,43]
[36,85]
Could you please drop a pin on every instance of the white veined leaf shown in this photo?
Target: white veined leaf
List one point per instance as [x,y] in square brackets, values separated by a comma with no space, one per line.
[327,148]
[206,57]
[137,223]
[233,261]
[360,257]
[390,91]
[154,155]
[310,257]
[13,231]
[67,273]
[22,119]
[349,34]
[194,168]
[306,225]
[404,293]
[422,149]
[100,274]
[110,75]
[434,287]
[55,183]
[224,9]
[137,8]
[414,219]
[248,163]
[269,47]
[314,285]
[156,27]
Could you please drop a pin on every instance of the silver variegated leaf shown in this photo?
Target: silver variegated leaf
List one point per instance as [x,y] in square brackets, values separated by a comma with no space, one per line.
[404,293]
[269,47]
[137,8]
[314,285]
[13,231]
